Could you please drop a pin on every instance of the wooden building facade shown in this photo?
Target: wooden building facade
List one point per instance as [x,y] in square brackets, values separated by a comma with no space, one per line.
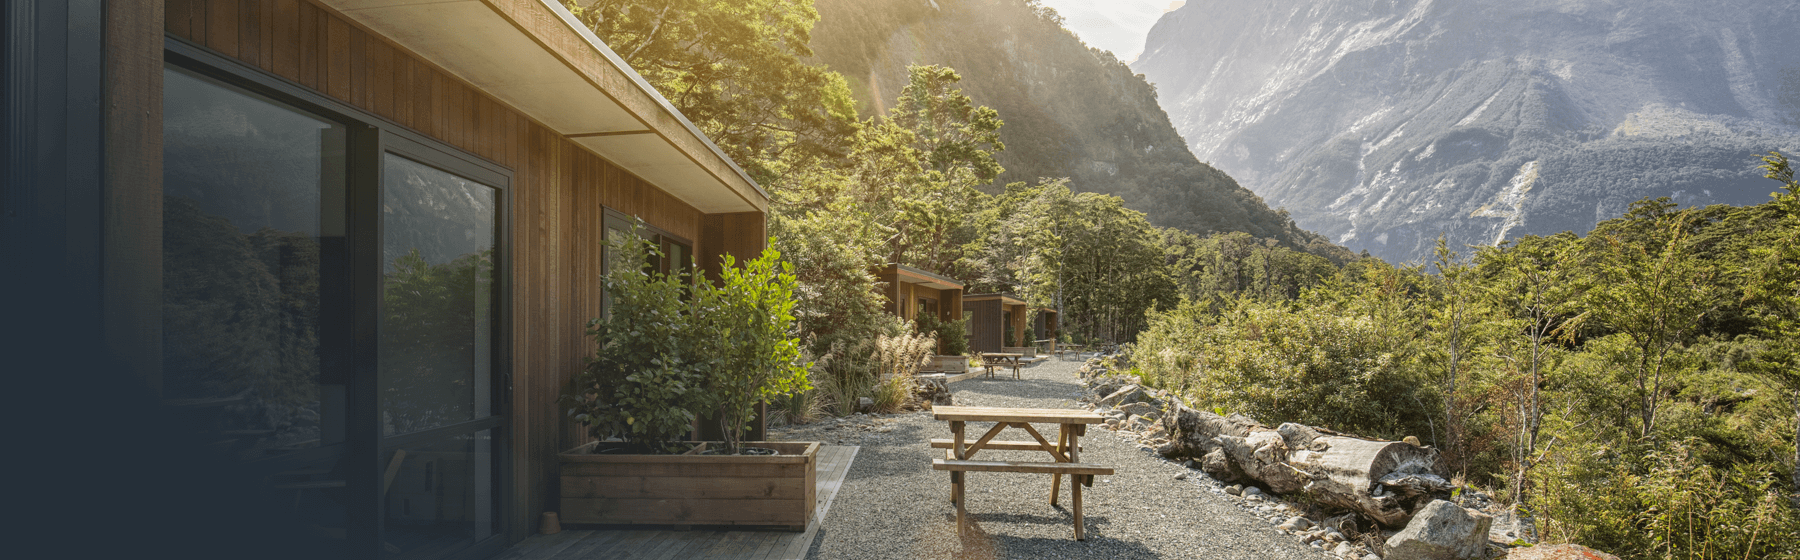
[993,318]
[355,241]
[914,292]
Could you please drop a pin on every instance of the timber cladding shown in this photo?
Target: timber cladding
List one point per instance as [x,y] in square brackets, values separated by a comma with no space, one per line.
[559,192]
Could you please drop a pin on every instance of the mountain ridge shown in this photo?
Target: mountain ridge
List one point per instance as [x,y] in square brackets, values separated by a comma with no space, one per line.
[1384,124]
[1069,110]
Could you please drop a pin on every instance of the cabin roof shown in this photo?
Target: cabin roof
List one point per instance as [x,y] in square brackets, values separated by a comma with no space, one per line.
[913,275]
[534,56]
[1005,299]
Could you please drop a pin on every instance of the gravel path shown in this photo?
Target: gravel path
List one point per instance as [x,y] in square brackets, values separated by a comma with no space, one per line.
[893,505]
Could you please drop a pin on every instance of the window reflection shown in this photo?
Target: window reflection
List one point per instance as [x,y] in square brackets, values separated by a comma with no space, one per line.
[437,296]
[252,218]
[245,184]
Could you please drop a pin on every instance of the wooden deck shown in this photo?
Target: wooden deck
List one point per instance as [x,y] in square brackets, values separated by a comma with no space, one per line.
[700,542]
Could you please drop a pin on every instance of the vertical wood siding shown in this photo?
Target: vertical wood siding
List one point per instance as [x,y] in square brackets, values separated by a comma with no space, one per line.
[558,191]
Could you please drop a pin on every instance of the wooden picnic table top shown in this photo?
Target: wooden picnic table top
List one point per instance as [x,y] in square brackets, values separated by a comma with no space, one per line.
[990,414]
[1002,355]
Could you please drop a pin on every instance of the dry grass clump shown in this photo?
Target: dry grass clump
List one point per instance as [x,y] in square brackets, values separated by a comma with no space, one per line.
[902,356]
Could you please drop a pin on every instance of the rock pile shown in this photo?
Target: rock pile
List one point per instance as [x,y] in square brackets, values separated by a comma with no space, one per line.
[1356,498]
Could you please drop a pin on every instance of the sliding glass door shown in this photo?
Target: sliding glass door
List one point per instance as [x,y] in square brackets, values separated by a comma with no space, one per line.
[333,311]
[436,373]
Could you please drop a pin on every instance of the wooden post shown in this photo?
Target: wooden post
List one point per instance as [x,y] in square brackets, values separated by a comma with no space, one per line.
[1075,485]
[1062,442]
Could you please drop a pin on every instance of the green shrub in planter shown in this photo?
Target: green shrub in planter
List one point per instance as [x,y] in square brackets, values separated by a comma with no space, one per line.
[953,336]
[642,384]
[749,351]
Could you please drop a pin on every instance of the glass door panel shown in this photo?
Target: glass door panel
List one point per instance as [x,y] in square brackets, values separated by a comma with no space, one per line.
[436,359]
[436,355]
[253,239]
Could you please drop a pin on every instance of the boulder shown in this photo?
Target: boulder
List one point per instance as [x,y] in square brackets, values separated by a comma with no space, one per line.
[1138,408]
[1441,531]
[1107,384]
[1126,394]
[1557,552]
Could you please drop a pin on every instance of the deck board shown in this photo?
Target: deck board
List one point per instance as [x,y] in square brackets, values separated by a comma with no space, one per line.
[700,544]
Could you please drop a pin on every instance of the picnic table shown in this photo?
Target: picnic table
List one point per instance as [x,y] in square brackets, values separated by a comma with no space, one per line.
[1066,452]
[993,360]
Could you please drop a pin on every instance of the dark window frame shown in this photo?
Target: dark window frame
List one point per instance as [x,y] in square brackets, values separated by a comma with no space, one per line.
[372,136]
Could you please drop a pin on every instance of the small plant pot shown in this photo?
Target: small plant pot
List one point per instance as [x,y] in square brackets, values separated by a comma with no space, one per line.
[693,488]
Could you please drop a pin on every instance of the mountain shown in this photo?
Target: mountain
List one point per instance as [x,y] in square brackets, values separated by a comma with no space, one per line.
[1069,111]
[1383,123]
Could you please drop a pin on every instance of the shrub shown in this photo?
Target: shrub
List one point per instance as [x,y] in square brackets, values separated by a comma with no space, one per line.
[746,348]
[640,385]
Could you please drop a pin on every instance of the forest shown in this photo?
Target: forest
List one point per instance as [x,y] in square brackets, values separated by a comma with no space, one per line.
[1636,388]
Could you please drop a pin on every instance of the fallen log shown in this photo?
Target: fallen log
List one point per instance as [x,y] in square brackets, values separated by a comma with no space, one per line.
[1379,480]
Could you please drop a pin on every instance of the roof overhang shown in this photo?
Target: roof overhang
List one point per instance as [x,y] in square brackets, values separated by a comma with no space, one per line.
[919,276]
[1005,299]
[534,56]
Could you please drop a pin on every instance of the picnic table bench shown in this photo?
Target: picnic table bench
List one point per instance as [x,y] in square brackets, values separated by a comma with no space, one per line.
[1066,452]
[995,360]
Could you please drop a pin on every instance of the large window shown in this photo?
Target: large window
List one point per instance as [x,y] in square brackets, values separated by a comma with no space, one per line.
[333,309]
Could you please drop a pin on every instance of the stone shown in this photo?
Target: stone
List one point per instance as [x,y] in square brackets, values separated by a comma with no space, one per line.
[1557,552]
[1135,422]
[1296,524]
[1219,465]
[1112,423]
[1234,490]
[1411,440]
[1441,531]
[1371,556]
[865,403]
[1299,436]
[1137,408]
[1181,476]
[1252,490]
[1127,394]
[1345,524]
[1344,549]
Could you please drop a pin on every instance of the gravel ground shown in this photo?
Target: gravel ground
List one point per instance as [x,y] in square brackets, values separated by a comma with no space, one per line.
[892,505]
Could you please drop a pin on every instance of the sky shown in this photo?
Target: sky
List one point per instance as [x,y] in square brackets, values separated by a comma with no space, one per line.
[1114,25]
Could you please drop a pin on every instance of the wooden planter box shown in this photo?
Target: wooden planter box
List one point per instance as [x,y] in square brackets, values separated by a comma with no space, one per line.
[950,364]
[692,489]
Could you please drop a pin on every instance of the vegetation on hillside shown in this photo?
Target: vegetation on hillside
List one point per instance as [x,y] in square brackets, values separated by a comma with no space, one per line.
[1071,111]
[1635,389]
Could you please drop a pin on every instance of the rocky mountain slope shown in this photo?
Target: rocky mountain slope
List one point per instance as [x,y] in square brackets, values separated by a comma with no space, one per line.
[1070,111]
[1383,123]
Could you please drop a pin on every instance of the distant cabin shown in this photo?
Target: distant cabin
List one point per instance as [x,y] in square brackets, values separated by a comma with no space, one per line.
[912,293]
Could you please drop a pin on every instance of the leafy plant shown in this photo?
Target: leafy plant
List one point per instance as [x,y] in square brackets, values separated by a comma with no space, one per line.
[747,349]
[952,336]
[641,385]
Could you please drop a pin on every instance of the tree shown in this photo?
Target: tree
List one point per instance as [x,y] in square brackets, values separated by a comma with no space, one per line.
[1451,321]
[737,69]
[1533,293]
[1652,291]
[1773,288]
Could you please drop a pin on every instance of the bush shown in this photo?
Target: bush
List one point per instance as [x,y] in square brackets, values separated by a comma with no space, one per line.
[641,385]
[1667,505]
[952,336]
[745,346]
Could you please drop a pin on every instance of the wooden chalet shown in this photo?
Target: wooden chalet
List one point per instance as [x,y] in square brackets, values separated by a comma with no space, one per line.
[913,292]
[355,242]
[1045,327]
[992,317]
